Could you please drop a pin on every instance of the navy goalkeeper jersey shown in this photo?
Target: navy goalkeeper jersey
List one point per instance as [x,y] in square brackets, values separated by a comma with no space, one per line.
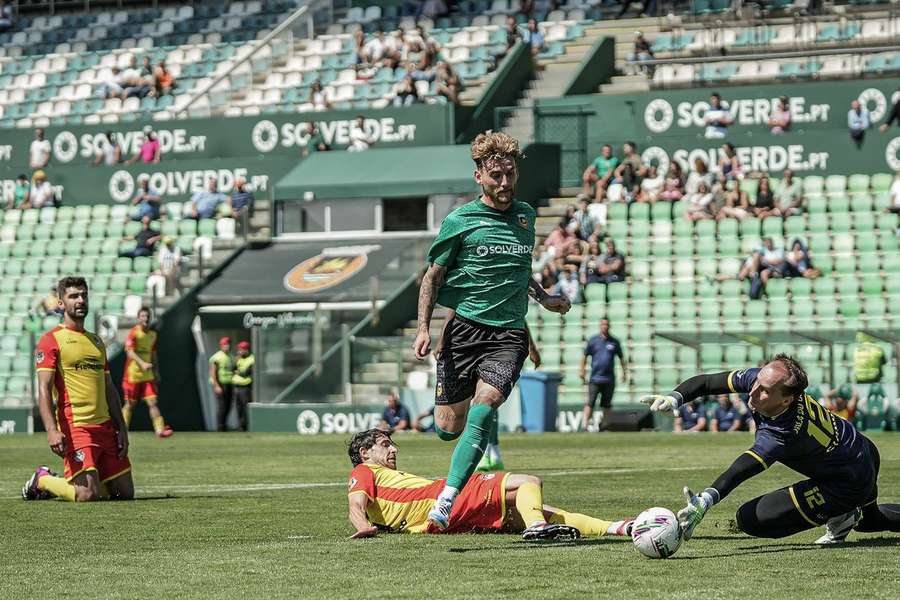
[812,441]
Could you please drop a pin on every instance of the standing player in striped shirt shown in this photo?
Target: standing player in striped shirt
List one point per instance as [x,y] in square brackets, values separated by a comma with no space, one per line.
[142,373]
[85,427]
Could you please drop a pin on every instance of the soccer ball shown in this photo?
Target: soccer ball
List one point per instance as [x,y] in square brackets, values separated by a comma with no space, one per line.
[656,533]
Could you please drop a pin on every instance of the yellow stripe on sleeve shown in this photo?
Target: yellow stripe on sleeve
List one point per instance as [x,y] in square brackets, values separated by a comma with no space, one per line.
[757,457]
[730,383]
[800,510]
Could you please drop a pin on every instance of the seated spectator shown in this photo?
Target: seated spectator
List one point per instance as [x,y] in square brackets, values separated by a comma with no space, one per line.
[315,141]
[894,115]
[318,97]
[205,203]
[749,269]
[21,196]
[651,186]
[642,52]
[699,174]
[449,83]
[164,80]
[169,264]
[48,306]
[780,119]
[562,241]
[359,47]
[381,50]
[588,223]
[700,205]
[147,202]
[424,421]
[359,137]
[610,267]
[587,273]
[789,195]
[40,150]
[842,401]
[735,203]
[765,205]
[599,173]
[513,35]
[691,418]
[534,37]
[111,154]
[150,150]
[729,163]
[7,16]
[567,284]
[111,87]
[41,194]
[799,262]
[673,189]
[395,416]
[134,84]
[405,92]
[145,240]
[894,194]
[727,415]
[146,69]
[625,186]
[858,121]
[241,199]
[717,118]
[772,261]
[548,277]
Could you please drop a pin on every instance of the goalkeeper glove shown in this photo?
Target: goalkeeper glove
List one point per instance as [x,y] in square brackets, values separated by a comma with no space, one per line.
[660,403]
[697,505]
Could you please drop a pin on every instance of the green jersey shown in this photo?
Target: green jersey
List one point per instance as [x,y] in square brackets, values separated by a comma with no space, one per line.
[487,253]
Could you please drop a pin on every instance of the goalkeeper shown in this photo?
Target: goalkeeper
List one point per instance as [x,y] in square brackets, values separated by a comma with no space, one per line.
[791,428]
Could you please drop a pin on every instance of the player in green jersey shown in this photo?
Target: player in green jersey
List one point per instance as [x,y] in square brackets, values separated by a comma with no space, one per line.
[480,266]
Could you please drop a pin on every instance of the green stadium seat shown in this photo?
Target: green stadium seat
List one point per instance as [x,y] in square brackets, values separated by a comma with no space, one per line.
[728,246]
[777,288]
[731,289]
[881,182]
[685,289]
[639,311]
[639,291]
[871,284]
[662,290]
[595,293]
[826,308]
[663,314]
[825,264]
[867,243]
[858,183]
[868,263]
[732,312]
[750,226]
[105,265]
[860,202]
[891,264]
[813,184]
[640,270]
[802,312]
[844,264]
[707,267]
[616,292]
[875,310]
[772,227]
[849,307]
[639,211]
[685,311]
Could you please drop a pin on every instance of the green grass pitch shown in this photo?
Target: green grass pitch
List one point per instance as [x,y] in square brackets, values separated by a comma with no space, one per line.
[264,516]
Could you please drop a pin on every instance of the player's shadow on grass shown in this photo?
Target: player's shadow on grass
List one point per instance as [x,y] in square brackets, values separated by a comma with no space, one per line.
[537,545]
[792,547]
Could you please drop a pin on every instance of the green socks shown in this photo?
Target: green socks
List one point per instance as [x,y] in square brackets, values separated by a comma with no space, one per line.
[471,444]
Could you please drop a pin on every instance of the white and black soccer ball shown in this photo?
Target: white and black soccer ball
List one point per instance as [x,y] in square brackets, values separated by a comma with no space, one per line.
[656,533]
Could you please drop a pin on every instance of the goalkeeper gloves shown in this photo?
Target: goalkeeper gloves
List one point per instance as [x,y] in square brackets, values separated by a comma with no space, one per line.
[697,505]
[660,403]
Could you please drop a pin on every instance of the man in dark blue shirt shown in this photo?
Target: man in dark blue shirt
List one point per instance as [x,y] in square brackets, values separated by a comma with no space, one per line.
[841,464]
[395,416]
[727,415]
[691,417]
[603,349]
[241,199]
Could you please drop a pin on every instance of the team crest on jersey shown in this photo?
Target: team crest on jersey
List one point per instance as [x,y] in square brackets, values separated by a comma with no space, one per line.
[352,483]
[329,268]
[523,221]
[79,456]
[439,390]
[39,357]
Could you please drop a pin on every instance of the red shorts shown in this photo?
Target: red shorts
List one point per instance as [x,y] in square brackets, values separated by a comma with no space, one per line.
[94,447]
[480,506]
[142,390]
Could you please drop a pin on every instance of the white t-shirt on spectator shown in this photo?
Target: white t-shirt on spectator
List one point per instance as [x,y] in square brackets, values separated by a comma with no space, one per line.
[653,186]
[775,255]
[130,75]
[41,195]
[713,130]
[359,140]
[895,193]
[40,153]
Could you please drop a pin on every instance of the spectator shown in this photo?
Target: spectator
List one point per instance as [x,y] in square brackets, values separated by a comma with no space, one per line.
[49,304]
[611,265]
[205,203]
[691,418]
[381,50]
[765,205]
[673,188]
[39,153]
[772,263]
[858,121]
[799,262]
[534,37]
[169,261]
[164,80]
[145,240]
[41,191]
[359,47]
[405,92]
[526,7]
[727,415]
[651,186]
[221,373]
[111,153]
[449,85]
[547,277]
[568,285]
[587,272]
[599,172]
[147,202]
[134,82]
[893,116]
[699,174]
[7,17]
[359,138]
[729,163]
[242,199]
[395,416]
[513,34]
[562,240]
[318,96]
[315,141]
[736,205]
[21,196]
[588,223]
[842,401]
[717,118]
[780,119]
[424,422]
[789,195]
[625,185]
[146,69]
[642,52]
[433,9]
[894,194]
[242,381]
[700,205]
[112,85]
[150,150]
[749,269]
[603,350]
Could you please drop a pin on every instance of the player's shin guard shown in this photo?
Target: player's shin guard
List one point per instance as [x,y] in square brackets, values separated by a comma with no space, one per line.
[588,526]
[57,486]
[530,503]
[471,445]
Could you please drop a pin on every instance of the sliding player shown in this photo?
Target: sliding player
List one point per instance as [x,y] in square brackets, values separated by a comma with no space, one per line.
[383,498]
[793,429]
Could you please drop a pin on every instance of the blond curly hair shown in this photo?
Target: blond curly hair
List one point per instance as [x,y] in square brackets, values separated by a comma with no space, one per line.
[494,145]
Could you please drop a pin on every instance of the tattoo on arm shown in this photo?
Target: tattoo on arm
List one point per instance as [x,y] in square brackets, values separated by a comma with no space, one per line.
[431,283]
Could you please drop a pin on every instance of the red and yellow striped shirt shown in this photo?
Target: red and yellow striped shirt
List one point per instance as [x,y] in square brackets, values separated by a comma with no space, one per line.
[78,360]
[399,501]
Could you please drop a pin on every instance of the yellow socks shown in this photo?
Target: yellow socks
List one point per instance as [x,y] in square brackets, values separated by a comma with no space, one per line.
[126,414]
[57,486]
[530,503]
[158,424]
[588,526]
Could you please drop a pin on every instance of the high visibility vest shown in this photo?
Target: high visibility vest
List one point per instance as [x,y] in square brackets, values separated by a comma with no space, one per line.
[867,361]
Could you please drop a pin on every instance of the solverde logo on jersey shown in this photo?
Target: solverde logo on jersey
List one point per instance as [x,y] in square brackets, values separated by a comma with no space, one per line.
[309,422]
[331,267]
[485,249]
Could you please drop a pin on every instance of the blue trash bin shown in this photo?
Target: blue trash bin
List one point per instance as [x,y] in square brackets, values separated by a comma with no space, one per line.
[538,392]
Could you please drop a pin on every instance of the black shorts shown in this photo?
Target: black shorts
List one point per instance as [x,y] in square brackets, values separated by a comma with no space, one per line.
[606,393]
[819,501]
[472,351]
